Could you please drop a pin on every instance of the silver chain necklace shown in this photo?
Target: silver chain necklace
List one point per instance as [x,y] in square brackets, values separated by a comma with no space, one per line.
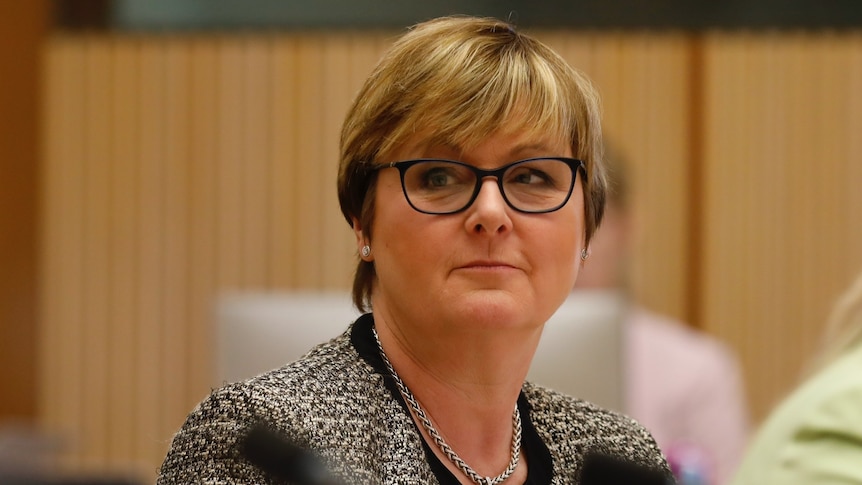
[438,440]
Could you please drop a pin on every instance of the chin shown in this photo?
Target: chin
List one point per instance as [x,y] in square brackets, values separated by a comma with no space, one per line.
[495,309]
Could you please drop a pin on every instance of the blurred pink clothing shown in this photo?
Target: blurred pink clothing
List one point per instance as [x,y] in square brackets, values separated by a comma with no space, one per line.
[686,388]
[684,385]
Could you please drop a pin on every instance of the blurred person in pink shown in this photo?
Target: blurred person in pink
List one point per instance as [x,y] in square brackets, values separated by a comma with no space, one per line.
[684,385]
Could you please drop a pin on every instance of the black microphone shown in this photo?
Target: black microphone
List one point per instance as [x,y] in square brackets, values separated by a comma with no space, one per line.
[604,469]
[276,455]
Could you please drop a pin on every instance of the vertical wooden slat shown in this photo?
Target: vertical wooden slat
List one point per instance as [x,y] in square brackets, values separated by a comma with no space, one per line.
[307,167]
[47,338]
[696,183]
[124,293]
[204,113]
[284,140]
[606,72]
[151,228]
[851,169]
[814,188]
[740,167]
[837,144]
[58,90]
[719,113]
[97,172]
[655,91]
[63,402]
[229,162]
[839,65]
[175,335]
[338,241]
[770,227]
[256,161]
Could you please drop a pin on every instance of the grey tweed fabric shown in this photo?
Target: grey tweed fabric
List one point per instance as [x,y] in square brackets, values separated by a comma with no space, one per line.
[336,401]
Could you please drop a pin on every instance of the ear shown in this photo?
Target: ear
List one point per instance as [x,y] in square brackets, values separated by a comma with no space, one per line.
[360,238]
[357,231]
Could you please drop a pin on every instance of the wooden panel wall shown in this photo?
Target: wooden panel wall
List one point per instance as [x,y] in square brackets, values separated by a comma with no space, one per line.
[782,202]
[175,169]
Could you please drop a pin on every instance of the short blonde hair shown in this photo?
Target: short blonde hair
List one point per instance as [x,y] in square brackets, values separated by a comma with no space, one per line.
[457,80]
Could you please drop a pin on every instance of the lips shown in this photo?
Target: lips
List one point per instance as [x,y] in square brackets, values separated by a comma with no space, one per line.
[486,265]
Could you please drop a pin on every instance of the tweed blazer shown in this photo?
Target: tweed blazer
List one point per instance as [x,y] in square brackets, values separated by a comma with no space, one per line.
[339,401]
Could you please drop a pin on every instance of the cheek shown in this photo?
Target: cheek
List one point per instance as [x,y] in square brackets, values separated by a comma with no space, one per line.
[389,205]
[402,236]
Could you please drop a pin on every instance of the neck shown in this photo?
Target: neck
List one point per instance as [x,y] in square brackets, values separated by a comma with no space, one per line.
[469,402]
[477,371]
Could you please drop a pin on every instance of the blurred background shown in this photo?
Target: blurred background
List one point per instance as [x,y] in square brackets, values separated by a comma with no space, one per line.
[157,154]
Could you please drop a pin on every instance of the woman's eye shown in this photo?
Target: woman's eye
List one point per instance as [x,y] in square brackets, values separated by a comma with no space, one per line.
[437,177]
[530,177]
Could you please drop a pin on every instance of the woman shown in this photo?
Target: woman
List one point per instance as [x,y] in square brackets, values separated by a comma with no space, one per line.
[470,168]
[815,436]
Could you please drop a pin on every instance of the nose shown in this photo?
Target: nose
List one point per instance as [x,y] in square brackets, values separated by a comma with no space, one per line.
[489,213]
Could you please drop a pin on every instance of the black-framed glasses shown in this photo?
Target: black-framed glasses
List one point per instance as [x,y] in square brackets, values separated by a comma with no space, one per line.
[534,185]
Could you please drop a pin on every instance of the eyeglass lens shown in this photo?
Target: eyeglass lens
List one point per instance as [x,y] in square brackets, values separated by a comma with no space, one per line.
[441,186]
